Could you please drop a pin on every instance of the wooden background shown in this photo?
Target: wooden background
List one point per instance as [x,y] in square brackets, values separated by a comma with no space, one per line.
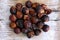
[6,33]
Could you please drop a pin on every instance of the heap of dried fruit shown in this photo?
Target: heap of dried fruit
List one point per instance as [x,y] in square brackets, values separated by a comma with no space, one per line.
[29,19]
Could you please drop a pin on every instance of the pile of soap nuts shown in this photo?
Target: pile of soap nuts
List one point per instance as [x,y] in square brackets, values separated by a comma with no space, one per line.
[29,18]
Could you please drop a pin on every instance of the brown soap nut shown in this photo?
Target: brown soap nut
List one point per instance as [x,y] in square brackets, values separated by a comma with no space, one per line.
[45,18]
[13,10]
[34,26]
[17,30]
[32,12]
[34,20]
[28,4]
[40,15]
[41,10]
[19,14]
[37,31]
[40,24]
[13,18]
[48,11]
[34,5]
[44,6]
[19,6]
[24,30]
[26,17]
[25,10]
[30,34]
[27,24]
[45,28]
[19,23]
[13,25]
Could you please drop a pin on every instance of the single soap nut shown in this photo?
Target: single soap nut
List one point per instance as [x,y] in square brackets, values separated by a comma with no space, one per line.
[13,18]
[34,5]
[13,25]
[26,17]
[45,28]
[19,6]
[30,34]
[48,11]
[28,4]
[13,10]
[17,30]
[19,14]
[37,32]
[25,10]
[32,12]
[27,24]
[45,18]
[34,20]
[19,23]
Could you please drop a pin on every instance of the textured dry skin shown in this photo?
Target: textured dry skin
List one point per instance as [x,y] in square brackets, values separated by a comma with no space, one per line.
[7,34]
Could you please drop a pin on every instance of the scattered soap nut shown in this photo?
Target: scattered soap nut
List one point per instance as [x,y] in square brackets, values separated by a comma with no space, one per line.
[17,30]
[27,24]
[41,10]
[34,26]
[44,18]
[24,30]
[26,17]
[19,14]
[13,18]
[34,20]
[45,28]
[48,11]
[32,12]
[37,31]
[34,5]
[19,6]
[39,24]
[30,34]
[13,10]
[38,8]
[39,15]
[19,23]
[44,6]
[28,4]
[25,10]
[13,25]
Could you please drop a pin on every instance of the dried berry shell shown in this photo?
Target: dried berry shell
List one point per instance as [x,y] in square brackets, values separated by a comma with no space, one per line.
[19,6]
[44,18]
[45,28]
[13,10]
[13,18]
[30,34]
[19,23]
[26,17]
[27,24]
[32,12]
[48,11]
[25,10]
[28,4]
[17,30]
[13,25]
[37,32]
[34,20]
[34,5]
[19,14]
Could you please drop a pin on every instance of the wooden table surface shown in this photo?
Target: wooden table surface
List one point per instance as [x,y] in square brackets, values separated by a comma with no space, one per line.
[6,33]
